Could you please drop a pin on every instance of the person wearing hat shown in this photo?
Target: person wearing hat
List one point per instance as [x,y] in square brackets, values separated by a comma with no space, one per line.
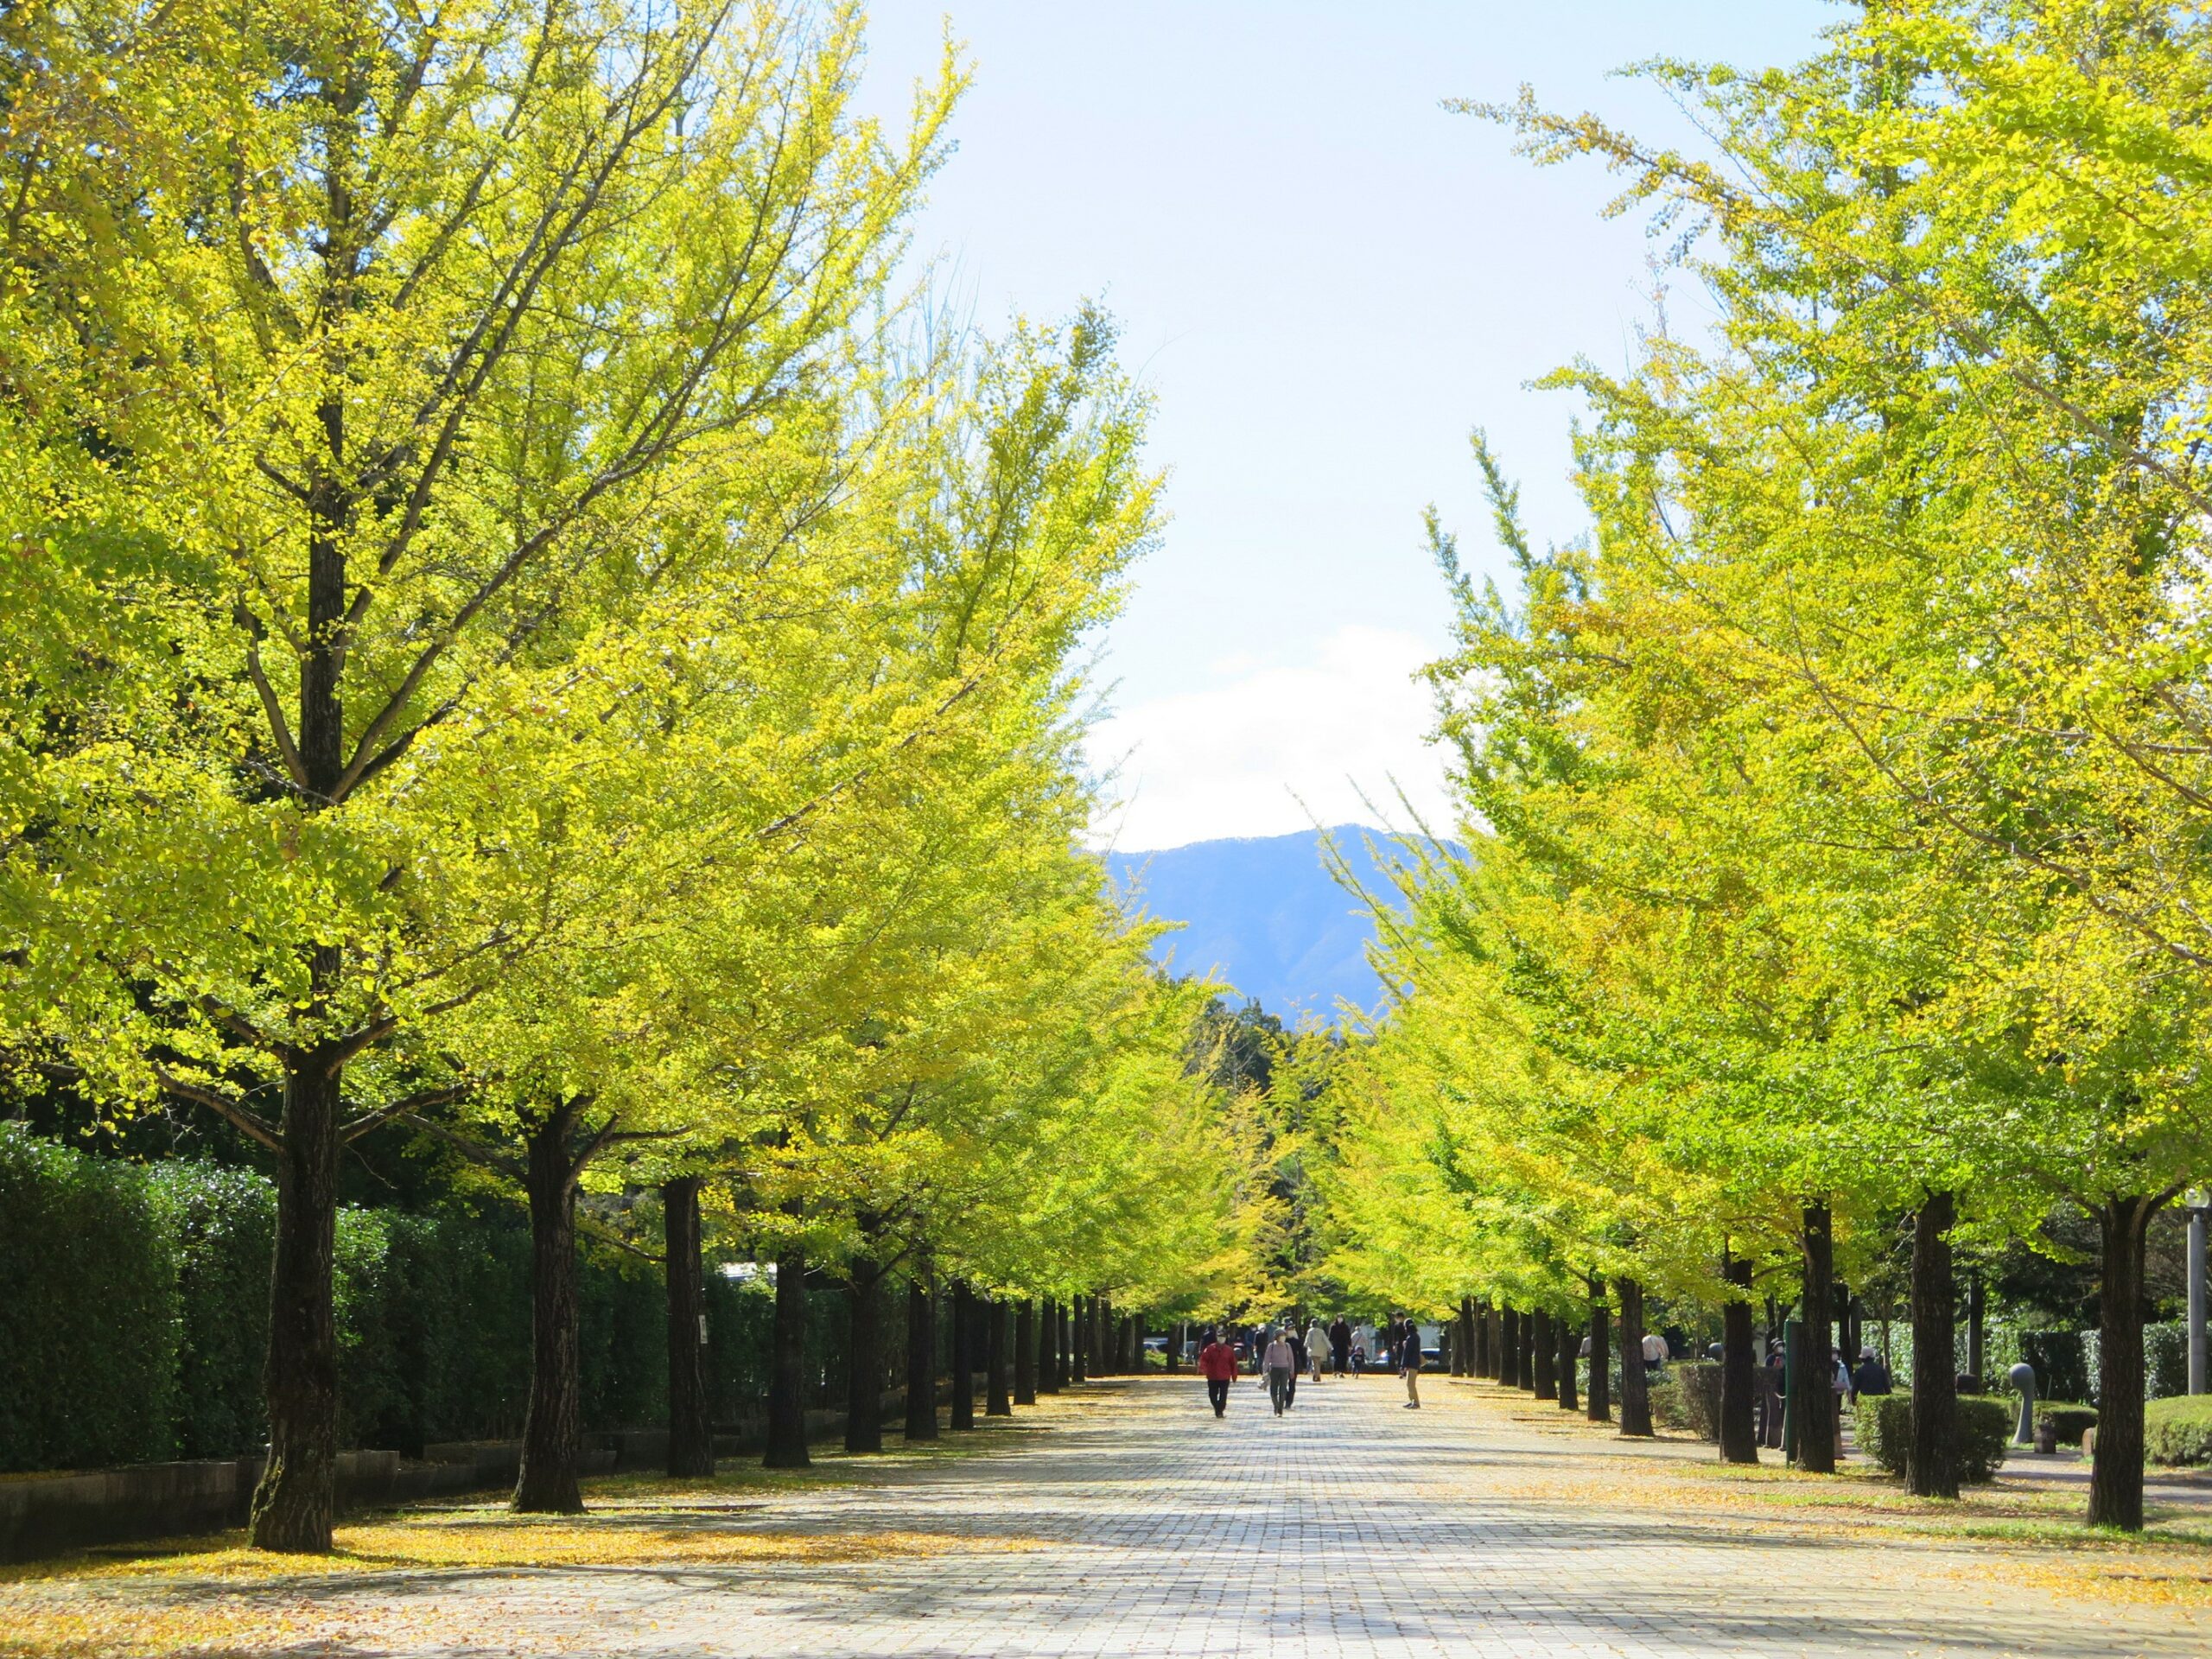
[1871,1376]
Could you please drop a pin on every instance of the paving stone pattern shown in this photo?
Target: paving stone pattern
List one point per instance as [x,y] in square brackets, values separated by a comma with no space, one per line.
[1351,1527]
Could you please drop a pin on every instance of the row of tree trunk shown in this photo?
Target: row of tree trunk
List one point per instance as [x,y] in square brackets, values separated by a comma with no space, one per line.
[1531,1350]
[1022,1347]
[1538,1351]
[1541,1349]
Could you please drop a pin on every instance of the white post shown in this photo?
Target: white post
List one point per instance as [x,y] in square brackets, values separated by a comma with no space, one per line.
[2196,1207]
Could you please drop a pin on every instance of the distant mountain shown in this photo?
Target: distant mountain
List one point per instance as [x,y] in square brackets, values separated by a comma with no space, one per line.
[1265,915]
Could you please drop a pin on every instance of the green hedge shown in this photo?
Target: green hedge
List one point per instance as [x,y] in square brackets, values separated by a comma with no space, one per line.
[134,1312]
[88,1310]
[1688,1397]
[1883,1432]
[2062,1364]
[740,1318]
[2178,1430]
[2068,1420]
[224,1223]
[2165,1359]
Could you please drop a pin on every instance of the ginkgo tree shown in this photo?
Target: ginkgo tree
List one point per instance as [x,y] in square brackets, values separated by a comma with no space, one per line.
[1855,756]
[367,350]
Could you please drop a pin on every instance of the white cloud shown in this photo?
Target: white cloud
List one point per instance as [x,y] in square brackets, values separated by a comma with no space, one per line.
[1239,759]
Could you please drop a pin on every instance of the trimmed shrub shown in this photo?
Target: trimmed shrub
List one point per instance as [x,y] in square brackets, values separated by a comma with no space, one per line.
[2066,1419]
[741,1321]
[622,1340]
[223,1222]
[87,1310]
[2061,1367]
[369,1286]
[2165,1359]
[2178,1430]
[1689,1399]
[461,1334]
[1883,1432]
[134,1314]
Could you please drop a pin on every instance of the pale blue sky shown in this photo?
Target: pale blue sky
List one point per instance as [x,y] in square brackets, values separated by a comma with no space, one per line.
[1326,279]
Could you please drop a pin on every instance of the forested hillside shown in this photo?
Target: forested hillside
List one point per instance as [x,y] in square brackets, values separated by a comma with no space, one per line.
[1264,913]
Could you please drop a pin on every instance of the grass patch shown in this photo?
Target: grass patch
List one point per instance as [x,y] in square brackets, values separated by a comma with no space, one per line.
[641,1536]
[2026,1536]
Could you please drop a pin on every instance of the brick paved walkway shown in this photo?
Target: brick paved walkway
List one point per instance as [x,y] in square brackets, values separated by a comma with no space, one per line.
[1137,1524]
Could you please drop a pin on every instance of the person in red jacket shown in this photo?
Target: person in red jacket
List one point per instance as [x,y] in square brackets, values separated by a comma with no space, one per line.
[1217,1364]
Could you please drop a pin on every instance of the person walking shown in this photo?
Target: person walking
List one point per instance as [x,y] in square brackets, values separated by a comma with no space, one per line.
[1840,1385]
[1409,1365]
[1317,1343]
[1217,1364]
[1871,1376]
[1340,1343]
[1770,1389]
[1281,1368]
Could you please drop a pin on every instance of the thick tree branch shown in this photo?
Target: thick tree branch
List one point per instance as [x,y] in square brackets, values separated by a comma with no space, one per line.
[421,1100]
[246,1122]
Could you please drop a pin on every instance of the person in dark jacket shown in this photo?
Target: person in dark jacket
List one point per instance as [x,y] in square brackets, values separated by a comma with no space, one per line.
[1871,1376]
[1340,1345]
[1770,1392]
[1410,1364]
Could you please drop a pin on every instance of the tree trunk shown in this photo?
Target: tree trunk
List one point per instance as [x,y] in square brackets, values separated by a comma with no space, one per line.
[1025,1353]
[1455,1337]
[1601,1408]
[1078,1338]
[998,1400]
[1931,1463]
[691,1425]
[295,1503]
[552,1433]
[1636,1387]
[1494,1335]
[1529,1353]
[1051,1368]
[1813,1385]
[921,1358]
[1479,1338]
[787,1447]
[1975,1325]
[1568,1333]
[963,1356]
[1546,1355]
[864,1356]
[1739,1441]
[1177,1333]
[1508,1367]
[1064,1345]
[2116,1478]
